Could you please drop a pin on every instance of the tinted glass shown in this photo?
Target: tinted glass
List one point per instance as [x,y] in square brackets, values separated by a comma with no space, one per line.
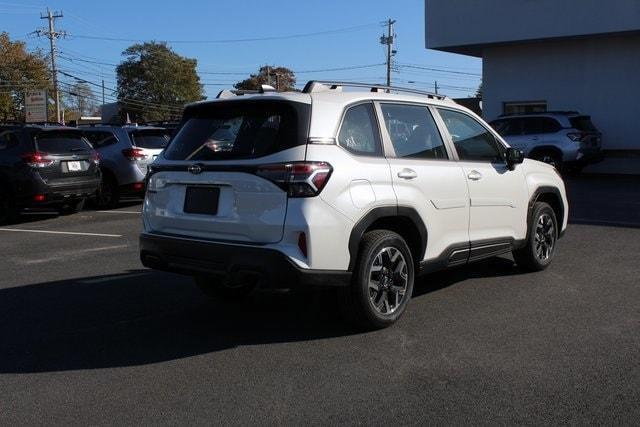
[60,141]
[413,132]
[239,130]
[472,140]
[8,140]
[100,139]
[537,125]
[150,138]
[359,131]
[507,127]
[582,123]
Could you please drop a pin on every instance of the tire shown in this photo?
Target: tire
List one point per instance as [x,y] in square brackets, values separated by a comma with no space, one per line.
[72,207]
[8,210]
[536,256]
[382,281]
[550,158]
[108,193]
[221,288]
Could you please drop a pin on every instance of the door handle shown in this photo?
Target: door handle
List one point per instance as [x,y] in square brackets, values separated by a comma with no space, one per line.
[407,174]
[474,175]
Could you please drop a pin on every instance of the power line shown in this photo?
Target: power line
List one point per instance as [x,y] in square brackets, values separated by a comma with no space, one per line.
[418,67]
[241,40]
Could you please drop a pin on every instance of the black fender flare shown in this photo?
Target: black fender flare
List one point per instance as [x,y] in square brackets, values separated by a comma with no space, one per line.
[545,189]
[377,213]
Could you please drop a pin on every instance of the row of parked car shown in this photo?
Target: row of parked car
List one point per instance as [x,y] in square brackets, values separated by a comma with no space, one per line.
[48,166]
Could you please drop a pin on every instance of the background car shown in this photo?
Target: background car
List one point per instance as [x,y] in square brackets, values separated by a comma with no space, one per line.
[43,166]
[126,152]
[567,140]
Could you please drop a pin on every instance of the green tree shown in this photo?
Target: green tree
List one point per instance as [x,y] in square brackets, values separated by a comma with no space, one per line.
[20,71]
[154,82]
[479,91]
[80,98]
[282,78]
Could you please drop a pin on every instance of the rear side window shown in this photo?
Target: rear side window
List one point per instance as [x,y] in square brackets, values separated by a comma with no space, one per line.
[60,141]
[359,132]
[582,123]
[99,139]
[473,141]
[150,138]
[537,125]
[413,132]
[8,139]
[230,130]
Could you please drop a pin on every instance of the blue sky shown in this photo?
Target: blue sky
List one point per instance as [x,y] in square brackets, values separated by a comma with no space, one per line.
[457,75]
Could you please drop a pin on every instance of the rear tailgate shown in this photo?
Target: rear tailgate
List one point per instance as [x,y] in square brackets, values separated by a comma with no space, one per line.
[207,182]
[151,142]
[72,160]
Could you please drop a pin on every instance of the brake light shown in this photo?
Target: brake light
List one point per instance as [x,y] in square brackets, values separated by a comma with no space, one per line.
[37,159]
[134,154]
[577,137]
[95,158]
[39,198]
[298,179]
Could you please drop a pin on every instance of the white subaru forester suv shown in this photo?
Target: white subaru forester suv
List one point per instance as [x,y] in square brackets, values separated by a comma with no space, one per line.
[361,187]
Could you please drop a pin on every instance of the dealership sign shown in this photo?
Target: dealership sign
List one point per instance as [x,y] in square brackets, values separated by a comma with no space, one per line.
[35,106]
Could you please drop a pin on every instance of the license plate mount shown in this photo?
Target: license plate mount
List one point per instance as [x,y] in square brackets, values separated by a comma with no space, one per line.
[75,166]
[201,200]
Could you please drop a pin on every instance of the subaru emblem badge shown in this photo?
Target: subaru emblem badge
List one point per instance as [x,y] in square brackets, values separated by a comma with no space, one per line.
[195,169]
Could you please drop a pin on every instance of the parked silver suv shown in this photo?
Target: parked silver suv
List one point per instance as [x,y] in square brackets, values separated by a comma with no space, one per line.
[567,140]
[125,154]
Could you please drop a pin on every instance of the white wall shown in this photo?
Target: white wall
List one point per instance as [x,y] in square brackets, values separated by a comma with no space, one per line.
[465,25]
[597,76]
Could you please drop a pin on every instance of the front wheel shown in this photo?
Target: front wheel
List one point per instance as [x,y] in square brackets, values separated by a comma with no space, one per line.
[382,282]
[540,247]
[108,194]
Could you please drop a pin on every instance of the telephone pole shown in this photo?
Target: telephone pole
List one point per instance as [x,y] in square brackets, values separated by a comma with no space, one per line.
[388,40]
[53,35]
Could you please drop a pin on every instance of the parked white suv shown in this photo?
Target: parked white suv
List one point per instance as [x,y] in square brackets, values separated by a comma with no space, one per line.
[360,189]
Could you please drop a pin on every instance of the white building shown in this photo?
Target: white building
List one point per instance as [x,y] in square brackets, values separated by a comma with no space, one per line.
[537,55]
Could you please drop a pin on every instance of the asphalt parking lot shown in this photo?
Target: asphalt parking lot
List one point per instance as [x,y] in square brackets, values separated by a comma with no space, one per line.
[88,336]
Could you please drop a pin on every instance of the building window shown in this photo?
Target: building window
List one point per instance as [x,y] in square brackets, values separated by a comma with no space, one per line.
[524,107]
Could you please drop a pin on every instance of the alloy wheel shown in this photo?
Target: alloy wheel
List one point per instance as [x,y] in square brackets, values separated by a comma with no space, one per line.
[388,280]
[545,237]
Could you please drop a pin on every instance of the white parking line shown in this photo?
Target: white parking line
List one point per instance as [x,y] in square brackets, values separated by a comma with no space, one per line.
[121,212]
[66,255]
[71,233]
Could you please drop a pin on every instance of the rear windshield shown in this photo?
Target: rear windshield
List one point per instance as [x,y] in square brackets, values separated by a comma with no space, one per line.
[582,123]
[60,141]
[150,138]
[239,130]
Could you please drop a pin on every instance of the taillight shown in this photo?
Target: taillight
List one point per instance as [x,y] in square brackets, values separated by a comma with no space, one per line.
[95,158]
[134,153]
[575,136]
[298,179]
[37,159]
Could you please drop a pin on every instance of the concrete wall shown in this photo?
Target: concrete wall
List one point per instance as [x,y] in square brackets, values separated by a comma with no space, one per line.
[464,25]
[598,76]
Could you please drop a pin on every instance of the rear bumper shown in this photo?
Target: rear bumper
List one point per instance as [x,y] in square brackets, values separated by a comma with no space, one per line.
[193,257]
[55,194]
[587,156]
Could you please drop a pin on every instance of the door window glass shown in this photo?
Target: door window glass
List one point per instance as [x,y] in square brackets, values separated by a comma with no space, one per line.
[472,140]
[413,132]
[99,139]
[539,125]
[359,132]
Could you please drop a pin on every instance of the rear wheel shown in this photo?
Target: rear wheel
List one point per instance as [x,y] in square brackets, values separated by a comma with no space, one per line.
[8,209]
[108,194]
[540,247]
[382,283]
[220,287]
[72,207]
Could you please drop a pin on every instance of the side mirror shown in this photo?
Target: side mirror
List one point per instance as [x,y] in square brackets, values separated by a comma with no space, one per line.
[514,157]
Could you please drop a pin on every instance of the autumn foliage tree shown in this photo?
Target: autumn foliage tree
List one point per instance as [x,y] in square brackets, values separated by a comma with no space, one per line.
[282,78]
[155,82]
[20,71]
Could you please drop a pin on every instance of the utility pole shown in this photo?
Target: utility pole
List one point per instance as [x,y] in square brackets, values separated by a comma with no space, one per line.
[53,35]
[388,40]
[278,81]
[435,86]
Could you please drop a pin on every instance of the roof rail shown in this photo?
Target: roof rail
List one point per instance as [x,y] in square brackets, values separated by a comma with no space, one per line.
[320,85]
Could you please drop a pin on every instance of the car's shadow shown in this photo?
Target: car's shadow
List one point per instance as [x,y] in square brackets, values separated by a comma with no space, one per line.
[144,317]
